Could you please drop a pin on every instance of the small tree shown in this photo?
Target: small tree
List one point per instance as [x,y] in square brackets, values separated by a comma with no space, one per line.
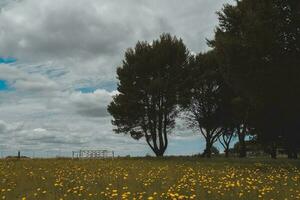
[214,150]
[225,139]
[203,101]
[149,78]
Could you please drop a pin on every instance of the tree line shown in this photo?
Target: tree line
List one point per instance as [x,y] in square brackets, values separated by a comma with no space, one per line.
[248,83]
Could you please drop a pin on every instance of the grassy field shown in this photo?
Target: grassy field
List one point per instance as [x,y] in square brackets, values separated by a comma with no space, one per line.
[150,178]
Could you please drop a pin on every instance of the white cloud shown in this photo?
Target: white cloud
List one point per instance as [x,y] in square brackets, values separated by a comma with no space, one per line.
[39,130]
[35,84]
[23,81]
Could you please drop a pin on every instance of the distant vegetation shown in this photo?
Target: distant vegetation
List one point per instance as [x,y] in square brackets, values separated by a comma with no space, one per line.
[247,84]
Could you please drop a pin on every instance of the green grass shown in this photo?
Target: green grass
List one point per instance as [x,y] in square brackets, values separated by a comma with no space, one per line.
[150,178]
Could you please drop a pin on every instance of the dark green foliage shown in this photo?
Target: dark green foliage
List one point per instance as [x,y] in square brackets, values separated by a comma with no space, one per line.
[149,81]
[258,46]
[204,102]
[248,84]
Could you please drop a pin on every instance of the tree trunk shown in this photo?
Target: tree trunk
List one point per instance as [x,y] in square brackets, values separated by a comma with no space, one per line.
[295,155]
[274,151]
[159,153]
[207,151]
[289,153]
[292,153]
[226,152]
[242,148]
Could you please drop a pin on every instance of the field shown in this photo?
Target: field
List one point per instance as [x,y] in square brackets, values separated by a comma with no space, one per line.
[150,178]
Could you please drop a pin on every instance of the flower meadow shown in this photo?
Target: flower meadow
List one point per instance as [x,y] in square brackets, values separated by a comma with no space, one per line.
[149,178]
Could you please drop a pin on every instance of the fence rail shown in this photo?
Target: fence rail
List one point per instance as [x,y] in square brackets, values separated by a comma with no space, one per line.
[57,154]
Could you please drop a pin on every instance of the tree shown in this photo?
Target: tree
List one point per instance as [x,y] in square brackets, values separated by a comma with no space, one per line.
[258,46]
[148,89]
[235,119]
[225,139]
[240,120]
[214,150]
[251,145]
[202,98]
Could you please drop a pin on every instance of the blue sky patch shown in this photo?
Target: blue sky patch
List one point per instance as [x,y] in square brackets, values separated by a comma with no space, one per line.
[3,85]
[108,86]
[86,89]
[7,60]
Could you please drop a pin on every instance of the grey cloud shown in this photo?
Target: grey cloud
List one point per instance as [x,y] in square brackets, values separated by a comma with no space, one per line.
[2,127]
[85,40]
[58,29]
[51,139]
[92,104]
[6,129]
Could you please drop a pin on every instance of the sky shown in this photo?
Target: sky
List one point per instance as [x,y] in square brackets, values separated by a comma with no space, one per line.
[58,61]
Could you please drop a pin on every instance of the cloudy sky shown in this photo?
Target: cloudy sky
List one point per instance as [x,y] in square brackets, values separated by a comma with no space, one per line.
[57,68]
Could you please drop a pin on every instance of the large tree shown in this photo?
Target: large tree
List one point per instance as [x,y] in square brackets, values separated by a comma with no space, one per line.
[258,46]
[146,105]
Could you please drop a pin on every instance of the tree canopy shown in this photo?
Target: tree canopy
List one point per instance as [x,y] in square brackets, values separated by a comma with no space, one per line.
[246,84]
[148,86]
[257,43]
